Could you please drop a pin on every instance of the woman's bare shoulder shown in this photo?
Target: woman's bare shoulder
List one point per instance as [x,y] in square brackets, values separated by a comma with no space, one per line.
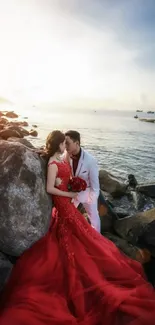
[52,162]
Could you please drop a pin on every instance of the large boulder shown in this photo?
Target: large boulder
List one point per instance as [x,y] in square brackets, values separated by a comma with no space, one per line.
[24,141]
[13,131]
[111,184]
[11,114]
[3,121]
[148,237]
[17,123]
[134,227]
[147,189]
[8,133]
[25,206]
[33,133]
[141,255]
[23,132]
[106,214]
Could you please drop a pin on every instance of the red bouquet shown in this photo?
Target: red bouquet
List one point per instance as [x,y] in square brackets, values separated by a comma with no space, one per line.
[77,184]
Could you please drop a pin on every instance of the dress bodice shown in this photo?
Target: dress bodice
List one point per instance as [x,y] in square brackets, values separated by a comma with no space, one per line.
[62,180]
[63,175]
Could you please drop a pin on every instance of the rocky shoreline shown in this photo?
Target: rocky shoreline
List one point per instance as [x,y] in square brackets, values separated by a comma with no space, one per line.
[14,129]
[127,210]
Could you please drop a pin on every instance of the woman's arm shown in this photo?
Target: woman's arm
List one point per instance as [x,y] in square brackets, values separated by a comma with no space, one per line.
[50,186]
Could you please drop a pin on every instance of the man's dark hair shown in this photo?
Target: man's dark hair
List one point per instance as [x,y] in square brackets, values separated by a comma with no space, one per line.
[74,135]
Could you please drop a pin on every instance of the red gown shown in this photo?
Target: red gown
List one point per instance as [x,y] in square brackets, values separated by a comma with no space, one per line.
[75,276]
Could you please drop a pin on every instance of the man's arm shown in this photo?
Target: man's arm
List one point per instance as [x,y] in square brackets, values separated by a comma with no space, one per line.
[94,180]
[91,194]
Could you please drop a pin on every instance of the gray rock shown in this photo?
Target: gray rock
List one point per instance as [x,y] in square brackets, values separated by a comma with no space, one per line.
[149,237]
[33,133]
[106,213]
[147,189]
[7,133]
[5,269]
[25,206]
[11,114]
[111,184]
[3,121]
[17,123]
[134,227]
[124,205]
[130,203]
[25,142]
[124,246]
[132,182]
[23,132]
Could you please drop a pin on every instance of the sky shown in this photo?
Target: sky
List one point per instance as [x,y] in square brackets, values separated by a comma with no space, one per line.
[78,53]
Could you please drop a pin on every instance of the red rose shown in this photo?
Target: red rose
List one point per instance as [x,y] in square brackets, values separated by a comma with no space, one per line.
[77,184]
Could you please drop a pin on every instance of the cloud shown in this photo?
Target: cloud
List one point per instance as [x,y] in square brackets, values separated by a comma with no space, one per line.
[78,51]
[132,23]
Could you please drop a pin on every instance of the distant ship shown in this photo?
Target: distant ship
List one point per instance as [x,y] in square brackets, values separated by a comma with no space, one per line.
[145,116]
[150,120]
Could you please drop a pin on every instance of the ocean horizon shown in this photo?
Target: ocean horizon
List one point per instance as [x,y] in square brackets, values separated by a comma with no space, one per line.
[121,144]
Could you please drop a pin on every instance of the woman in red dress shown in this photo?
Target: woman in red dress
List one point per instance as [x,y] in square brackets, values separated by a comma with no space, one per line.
[73,275]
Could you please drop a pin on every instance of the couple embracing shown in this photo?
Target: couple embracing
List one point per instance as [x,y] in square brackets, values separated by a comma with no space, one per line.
[82,165]
[74,275]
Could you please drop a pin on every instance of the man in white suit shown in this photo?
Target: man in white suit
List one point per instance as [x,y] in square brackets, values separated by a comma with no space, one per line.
[84,165]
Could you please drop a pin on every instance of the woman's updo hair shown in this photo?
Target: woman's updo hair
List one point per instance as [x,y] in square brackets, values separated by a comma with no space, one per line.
[53,141]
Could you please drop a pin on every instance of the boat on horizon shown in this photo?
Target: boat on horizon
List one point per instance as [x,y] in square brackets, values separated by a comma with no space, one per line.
[148,116]
[150,120]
